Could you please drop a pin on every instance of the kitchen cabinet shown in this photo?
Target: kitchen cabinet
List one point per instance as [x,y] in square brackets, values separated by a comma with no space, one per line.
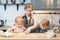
[46,4]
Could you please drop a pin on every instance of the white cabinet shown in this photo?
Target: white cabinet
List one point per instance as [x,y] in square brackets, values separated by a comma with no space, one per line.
[56,19]
[3,1]
[1,8]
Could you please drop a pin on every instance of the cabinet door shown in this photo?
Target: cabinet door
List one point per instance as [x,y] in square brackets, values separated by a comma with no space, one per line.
[1,8]
[11,9]
[3,1]
[38,4]
[9,2]
[46,4]
[58,3]
[56,19]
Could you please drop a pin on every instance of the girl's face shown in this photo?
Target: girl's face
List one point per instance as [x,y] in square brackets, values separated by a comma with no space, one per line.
[19,22]
[28,11]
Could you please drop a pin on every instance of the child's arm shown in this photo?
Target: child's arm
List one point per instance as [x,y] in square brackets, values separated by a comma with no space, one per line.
[28,30]
[10,29]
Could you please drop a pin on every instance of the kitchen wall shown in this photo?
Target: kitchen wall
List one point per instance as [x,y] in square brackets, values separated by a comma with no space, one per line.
[11,12]
[53,18]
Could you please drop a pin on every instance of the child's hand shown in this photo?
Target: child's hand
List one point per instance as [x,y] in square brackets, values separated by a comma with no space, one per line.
[10,30]
[28,30]
[16,31]
[57,31]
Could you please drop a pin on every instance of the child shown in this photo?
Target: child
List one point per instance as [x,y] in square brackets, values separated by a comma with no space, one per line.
[27,17]
[30,23]
[44,25]
[19,25]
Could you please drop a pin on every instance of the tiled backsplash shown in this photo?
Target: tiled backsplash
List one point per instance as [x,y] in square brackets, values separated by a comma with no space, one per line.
[11,12]
[53,18]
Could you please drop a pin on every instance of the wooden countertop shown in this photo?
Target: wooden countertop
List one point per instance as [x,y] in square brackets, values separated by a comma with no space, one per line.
[31,36]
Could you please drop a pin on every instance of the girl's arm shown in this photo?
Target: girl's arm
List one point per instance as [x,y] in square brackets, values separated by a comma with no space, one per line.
[10,29]
[28,30]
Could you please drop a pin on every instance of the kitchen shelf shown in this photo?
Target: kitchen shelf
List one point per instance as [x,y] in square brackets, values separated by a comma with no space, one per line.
[46,12]
[4,27]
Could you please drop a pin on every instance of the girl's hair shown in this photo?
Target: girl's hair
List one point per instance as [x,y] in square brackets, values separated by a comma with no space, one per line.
[29,5]
[45,23]
[20,18]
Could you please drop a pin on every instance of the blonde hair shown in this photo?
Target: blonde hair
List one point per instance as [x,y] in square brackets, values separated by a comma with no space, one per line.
[29,5]
[45,23]
[20,18]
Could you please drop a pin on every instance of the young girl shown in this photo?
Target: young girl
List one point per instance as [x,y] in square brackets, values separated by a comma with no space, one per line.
[44,25]
[18,26]
[30,23]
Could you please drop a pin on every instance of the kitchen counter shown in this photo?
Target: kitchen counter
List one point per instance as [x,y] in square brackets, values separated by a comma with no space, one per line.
[32,36]
[4,27]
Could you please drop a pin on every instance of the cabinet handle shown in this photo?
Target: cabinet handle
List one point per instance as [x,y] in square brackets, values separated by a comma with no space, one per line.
[17,7]
[4,6]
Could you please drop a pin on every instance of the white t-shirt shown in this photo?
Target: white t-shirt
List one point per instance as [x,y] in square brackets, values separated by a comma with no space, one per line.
[28,18]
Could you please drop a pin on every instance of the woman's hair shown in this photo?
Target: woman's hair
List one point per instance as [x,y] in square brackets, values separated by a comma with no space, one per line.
[45,23]
[29,5]
[20,19]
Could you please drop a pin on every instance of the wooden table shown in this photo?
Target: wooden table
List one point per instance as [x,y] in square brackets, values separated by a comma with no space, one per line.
[32,36]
